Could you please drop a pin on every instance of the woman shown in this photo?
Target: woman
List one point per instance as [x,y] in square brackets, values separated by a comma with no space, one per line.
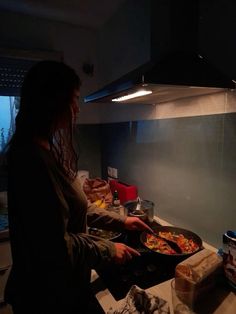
[52,254]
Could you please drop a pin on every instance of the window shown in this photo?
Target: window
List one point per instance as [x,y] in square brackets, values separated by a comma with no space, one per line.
[12,73]
[9,106]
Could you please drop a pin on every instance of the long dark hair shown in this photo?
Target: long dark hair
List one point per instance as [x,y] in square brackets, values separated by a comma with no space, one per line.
[46,97]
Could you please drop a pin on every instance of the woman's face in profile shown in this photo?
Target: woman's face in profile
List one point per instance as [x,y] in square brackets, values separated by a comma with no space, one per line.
[62,123]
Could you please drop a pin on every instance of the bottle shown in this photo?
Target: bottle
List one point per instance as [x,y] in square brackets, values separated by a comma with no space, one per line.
[116,205]
[116,200]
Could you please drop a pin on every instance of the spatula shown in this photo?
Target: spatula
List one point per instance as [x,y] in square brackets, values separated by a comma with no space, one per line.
[172,244]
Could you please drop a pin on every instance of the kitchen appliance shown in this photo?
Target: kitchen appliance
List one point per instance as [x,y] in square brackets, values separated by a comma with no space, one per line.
[126,192]
[145,271]
[175,68]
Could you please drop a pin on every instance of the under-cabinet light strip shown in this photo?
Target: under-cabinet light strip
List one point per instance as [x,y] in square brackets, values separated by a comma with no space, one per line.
[133,95]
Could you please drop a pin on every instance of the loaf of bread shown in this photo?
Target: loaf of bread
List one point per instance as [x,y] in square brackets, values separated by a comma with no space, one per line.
[200,265]
[198,273]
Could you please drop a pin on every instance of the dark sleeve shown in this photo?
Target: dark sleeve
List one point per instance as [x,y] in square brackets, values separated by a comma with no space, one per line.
[42,216]
[104,219]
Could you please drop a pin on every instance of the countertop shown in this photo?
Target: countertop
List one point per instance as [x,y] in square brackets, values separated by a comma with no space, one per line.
[222,299]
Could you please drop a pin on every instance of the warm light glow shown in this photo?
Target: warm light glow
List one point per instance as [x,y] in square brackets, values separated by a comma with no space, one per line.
[133,95]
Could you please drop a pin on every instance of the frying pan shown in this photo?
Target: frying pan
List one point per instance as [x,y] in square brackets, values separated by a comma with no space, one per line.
[175,230]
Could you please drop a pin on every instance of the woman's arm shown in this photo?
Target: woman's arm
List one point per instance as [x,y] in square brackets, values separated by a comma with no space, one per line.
[104,219]
[40,217]
[109,220]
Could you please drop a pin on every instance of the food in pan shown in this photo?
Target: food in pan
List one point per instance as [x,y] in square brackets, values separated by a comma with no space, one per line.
[186,245]
[158,245]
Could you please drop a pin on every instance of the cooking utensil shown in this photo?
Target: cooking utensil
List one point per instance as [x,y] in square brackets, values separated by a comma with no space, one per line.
[142,209]
[137,211]
[172,244]
[138,207]
[176,231]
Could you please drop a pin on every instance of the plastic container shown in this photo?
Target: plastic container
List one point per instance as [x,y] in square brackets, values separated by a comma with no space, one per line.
[229,257]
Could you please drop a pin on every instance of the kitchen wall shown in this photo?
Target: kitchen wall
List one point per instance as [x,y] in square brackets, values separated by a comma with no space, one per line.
[88,141]
[185,163]
[77,45]
[181,155]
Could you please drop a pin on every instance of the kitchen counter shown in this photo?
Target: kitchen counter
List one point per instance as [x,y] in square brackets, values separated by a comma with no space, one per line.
[223,298]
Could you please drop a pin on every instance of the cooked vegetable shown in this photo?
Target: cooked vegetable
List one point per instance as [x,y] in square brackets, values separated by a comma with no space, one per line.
[186,245]
[159,245]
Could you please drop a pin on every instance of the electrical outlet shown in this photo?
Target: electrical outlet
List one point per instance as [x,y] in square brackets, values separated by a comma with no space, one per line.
[109,171]
[114,173]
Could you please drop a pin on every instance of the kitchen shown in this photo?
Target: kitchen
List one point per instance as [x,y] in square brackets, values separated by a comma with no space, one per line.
[183,150]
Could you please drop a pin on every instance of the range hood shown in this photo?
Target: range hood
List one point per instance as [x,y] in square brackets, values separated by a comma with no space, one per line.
[179,73]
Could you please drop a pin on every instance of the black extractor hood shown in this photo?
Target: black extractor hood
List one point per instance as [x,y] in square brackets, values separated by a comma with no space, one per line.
[178,73]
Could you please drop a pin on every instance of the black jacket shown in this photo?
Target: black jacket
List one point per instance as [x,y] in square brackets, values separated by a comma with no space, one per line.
[52,254]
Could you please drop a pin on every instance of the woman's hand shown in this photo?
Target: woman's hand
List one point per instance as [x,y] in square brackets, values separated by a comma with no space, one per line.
[124,253]
[134,223]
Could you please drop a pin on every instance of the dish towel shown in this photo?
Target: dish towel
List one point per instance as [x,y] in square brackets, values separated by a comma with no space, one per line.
[138,301]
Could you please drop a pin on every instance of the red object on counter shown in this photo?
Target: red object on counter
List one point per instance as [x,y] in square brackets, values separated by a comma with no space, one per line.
[125,191]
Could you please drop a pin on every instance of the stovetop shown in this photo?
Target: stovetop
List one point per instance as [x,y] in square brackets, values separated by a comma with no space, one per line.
[145,271]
